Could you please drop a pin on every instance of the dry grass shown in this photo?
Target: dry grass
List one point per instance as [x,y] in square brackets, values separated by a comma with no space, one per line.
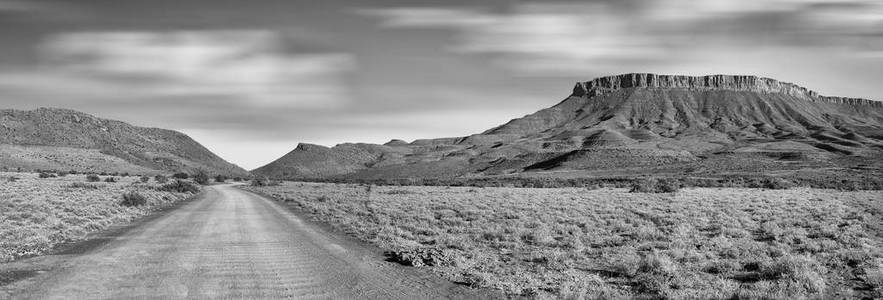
[609,243]
[38,213]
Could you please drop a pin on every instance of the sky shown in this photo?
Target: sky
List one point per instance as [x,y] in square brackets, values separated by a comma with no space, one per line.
[250,79]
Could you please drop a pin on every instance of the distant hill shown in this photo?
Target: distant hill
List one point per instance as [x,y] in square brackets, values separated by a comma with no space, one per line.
[62,139]
[633,124]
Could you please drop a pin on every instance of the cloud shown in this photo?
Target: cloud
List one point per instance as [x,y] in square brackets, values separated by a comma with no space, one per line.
[251,66]
[571,38]
[18,6]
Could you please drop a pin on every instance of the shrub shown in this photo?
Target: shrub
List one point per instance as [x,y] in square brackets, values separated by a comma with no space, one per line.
[12,179]
[777,184]
[61,173]
[221,178]
[237,179]
[420,257]
[179,186]
[80,185]
[131,199]
[110,179]
[263,181]
[399,192]
[180,176]
[160,179]
[201,177]
[667,186]
[145,179]
[93,178]
[655,186]
[46,175]
[643,186]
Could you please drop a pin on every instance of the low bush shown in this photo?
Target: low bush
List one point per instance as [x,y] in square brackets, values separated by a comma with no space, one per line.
[110,179]
[160,179]
[93,178]
[145,179]
[179,186]
[131,199]
[46,175]
[181,176]
[12,179]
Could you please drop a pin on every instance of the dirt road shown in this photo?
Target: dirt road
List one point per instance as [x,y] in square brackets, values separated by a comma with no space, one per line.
[227,244]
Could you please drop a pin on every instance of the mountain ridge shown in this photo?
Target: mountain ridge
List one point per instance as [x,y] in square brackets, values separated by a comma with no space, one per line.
[638,122]
[66,139]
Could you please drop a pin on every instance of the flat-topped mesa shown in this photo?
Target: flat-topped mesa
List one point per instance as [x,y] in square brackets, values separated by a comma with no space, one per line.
[605,85]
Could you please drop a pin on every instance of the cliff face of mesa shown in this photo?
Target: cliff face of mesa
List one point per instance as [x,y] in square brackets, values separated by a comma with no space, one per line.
[609,84]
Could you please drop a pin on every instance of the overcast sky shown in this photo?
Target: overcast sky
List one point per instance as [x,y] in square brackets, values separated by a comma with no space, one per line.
[250,79]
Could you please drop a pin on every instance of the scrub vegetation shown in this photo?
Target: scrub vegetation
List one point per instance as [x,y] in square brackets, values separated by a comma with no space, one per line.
[39,212]
[718,243]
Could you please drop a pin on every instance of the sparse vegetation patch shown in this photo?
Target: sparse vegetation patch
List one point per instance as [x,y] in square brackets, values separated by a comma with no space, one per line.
[179,186]
[37,214]
[609,243]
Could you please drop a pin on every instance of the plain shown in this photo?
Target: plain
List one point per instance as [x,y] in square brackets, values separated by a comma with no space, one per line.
[579,243]
[36,214]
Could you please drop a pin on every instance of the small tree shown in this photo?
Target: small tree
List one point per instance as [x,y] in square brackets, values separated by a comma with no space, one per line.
[221,178]
[201,177]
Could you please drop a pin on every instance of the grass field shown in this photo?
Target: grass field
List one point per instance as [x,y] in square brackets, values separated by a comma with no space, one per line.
[722,243]
[39,213]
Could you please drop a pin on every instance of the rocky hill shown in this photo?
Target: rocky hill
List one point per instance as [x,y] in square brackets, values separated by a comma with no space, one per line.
[634,124]
[61,139]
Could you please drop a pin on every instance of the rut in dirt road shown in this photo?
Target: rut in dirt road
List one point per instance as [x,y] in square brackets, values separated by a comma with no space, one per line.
[232,244]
